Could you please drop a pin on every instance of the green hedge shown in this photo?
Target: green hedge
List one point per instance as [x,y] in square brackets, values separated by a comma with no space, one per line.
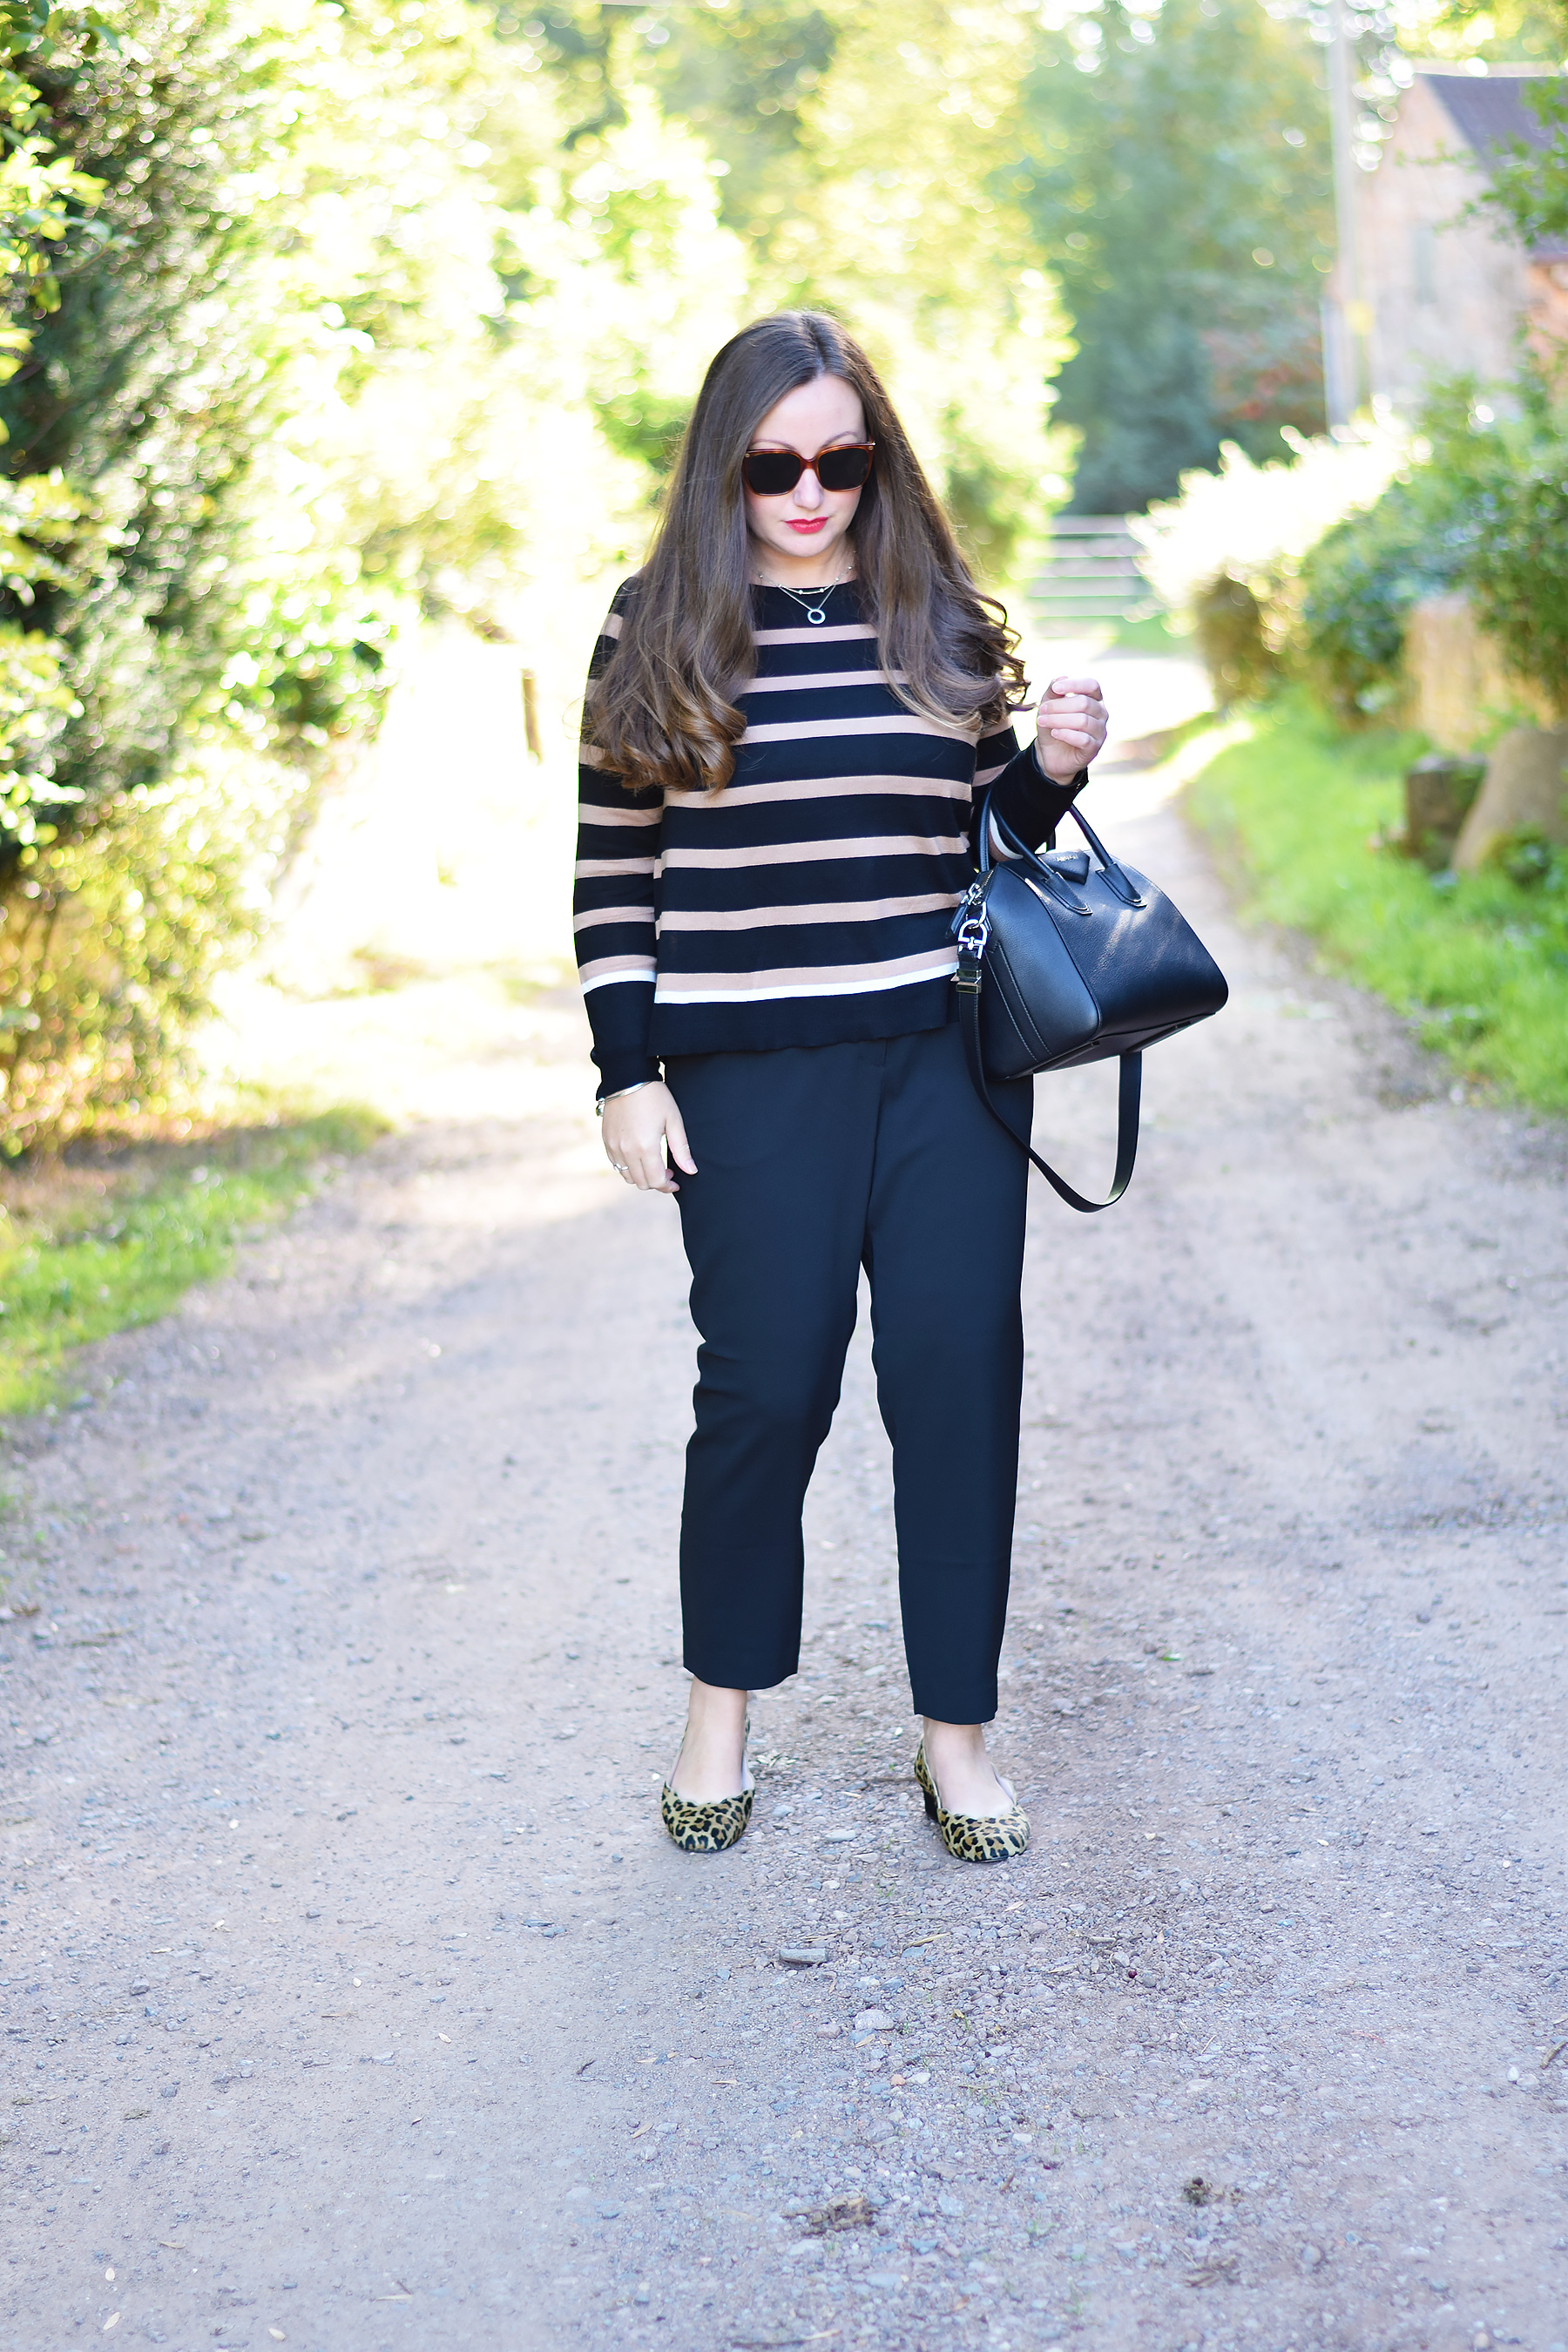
[1478,962]
[1360,582]
[1483,507]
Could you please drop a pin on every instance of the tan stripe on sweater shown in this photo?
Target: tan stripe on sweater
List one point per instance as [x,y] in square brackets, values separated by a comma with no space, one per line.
[833,911]
[823,788]
[597,915]
[813,852]
[600,870]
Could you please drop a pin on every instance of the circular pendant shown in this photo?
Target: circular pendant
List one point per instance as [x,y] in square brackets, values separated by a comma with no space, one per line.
[817,616]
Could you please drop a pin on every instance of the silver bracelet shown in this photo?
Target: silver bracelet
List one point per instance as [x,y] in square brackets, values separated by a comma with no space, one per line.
[599,1105]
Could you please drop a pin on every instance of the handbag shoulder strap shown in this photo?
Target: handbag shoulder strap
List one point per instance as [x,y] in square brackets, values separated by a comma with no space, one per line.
[1128,1095]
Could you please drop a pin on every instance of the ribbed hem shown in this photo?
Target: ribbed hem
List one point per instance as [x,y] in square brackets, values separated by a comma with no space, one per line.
[620,1070]
[802,1021]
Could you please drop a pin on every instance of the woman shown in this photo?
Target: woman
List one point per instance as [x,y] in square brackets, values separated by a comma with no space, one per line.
[790,710]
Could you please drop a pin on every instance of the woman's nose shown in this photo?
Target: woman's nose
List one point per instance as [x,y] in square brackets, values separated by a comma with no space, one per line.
[808,491]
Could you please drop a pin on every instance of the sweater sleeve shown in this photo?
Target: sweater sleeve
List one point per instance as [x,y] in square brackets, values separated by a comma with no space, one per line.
[1029,800]
[615,900]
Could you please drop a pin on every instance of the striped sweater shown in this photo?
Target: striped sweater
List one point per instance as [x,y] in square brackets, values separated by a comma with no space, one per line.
[810,902]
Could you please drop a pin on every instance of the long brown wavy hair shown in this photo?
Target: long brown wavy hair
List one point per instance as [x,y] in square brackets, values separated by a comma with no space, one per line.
[661,711]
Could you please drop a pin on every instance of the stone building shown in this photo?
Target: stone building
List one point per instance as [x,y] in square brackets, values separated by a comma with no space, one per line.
[1446,293]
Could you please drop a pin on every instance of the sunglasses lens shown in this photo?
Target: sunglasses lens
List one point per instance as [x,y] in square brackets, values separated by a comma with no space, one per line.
[769,473]
[843,469]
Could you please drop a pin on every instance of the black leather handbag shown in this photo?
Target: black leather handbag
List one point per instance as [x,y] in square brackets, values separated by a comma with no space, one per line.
[1062,961]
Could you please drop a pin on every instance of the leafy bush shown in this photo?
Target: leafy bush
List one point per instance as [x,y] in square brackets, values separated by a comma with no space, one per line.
[1485,508]
[1530,861]
[109,939]
[154,377]
[155,650]
[1224,556]
[1516,564]
[1361,580]
[1230,622]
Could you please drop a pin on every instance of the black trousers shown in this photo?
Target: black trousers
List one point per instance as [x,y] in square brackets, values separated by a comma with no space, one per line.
[814,1162]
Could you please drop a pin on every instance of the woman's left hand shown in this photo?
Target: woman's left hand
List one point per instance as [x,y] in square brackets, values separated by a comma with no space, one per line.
[1070,726]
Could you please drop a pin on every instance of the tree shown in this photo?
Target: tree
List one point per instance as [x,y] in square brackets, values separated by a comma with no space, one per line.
[134,632]
[189,637]
[156,370]
[859,160]
[743,80]
[1176,174]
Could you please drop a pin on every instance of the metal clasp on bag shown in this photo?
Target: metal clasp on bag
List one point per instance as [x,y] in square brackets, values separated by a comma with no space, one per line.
[972,929]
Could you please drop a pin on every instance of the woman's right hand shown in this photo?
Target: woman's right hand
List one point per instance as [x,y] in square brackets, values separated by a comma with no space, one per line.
[636,1128]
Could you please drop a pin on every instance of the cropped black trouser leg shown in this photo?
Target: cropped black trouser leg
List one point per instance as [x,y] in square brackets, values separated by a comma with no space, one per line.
[812,1162]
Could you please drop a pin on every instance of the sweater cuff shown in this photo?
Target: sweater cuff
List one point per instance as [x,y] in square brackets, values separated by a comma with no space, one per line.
[1054,783]
[1030,801]
[1052,798]
[620,1070]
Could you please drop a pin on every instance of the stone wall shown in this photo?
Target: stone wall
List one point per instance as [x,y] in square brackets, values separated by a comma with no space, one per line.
[1459,686]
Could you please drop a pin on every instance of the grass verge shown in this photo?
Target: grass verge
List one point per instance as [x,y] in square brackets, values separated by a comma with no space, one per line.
[90,1246]
[1478,963]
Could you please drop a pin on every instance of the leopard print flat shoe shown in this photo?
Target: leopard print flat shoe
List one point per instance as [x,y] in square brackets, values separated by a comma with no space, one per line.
[975,1837]
[699,1828]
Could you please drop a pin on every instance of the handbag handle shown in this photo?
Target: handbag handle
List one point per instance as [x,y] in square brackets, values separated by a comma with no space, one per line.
[1115,879]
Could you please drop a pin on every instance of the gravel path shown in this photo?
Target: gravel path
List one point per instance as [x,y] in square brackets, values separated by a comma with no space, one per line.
[353,1999]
